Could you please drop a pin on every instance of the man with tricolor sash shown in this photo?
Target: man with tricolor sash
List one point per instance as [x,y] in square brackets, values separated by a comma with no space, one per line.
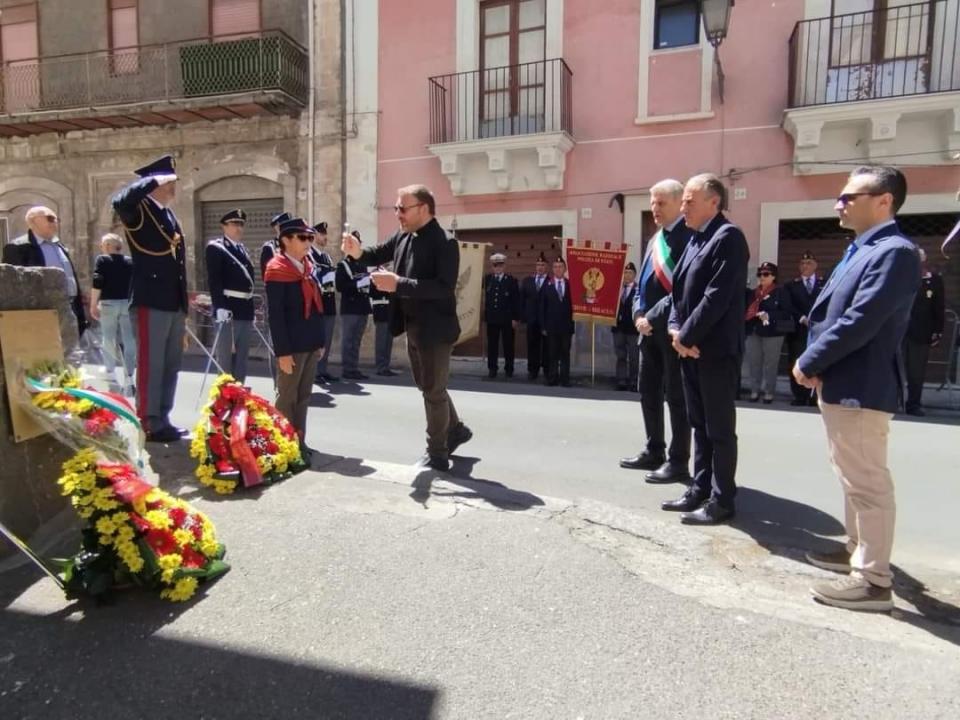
[659,363]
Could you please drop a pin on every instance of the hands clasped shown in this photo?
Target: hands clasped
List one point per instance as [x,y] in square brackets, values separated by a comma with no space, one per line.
[682,350]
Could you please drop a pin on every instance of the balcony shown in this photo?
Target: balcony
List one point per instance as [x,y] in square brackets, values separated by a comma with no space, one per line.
[205,79]
[878,86]
[504,129]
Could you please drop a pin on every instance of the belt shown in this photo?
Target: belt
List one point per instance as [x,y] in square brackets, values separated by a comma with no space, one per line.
[239,295]
[380,302]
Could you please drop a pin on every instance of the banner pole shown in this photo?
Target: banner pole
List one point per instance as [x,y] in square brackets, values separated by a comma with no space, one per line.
[593,351]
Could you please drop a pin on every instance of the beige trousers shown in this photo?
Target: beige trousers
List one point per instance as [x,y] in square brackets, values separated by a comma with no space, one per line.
[857,439]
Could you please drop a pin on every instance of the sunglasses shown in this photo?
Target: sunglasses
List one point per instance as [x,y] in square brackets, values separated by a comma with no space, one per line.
[304,238]
[401,209]
[765,274]
[845,198]
[51,218]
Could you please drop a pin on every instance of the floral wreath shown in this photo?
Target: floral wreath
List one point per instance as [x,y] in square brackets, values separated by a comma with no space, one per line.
[242,437]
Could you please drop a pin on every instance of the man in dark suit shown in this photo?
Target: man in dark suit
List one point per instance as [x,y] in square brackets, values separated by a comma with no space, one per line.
[924,332]
[271,247]
[556,320]
[41,247]
[659,362]
[423,303]
[326,272]
[706,324]
[851,360]
[530,314]
[230,279]
[158,304]
[501,309]
[625,334]
[803,292]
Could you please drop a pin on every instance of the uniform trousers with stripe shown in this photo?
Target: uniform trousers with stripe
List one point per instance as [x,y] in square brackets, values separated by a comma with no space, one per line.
[159,356]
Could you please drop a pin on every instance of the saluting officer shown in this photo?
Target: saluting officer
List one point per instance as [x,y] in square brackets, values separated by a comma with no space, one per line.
[158,305]
[326,272]
[230,279]
[272,247]
[502,313]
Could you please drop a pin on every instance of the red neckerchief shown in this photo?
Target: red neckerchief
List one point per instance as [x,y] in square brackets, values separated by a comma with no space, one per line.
[282,269]
[758,296]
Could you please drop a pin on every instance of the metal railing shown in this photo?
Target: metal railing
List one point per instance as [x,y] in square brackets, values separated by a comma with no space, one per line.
[523,99]
[269,61]
[894,52]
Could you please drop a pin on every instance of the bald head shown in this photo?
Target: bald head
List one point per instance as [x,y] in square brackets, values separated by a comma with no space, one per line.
[43,222]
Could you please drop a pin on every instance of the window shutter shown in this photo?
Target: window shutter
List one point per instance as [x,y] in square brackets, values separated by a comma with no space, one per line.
[234,17]
[123,26]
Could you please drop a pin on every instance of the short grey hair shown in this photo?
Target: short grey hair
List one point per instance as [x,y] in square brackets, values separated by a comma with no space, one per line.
[712,185]
[112,239]
[671,187]
[422,194]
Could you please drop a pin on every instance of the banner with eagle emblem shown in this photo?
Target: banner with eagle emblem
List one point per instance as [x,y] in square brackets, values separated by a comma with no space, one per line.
[470,289]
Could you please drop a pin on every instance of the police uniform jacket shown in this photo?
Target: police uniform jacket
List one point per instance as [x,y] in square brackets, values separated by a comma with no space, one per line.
[325,271]
[501,299]
[928,311]
[380,304]
[780,310]
[354,300]
[530,299]
[25,251]
[428,263]
[625,312]
[267,251]
[230,274]
[156,248]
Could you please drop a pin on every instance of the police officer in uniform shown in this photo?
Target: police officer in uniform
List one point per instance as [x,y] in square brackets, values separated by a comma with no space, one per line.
[501,295]
[326,277]
[230,279]
[927,317]
[353,282]
[803,292]
[158,304]
[383,340]
[625,333]
[271,247]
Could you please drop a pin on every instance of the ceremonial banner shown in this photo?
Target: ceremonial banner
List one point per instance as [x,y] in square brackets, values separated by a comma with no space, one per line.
[596,275]
[470,289]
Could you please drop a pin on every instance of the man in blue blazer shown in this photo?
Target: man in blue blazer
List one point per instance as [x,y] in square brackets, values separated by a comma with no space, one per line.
[706,324]
[852,361]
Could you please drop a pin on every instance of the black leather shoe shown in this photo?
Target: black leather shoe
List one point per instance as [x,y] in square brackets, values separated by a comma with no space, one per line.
[164,435]
[434,462]
[182,432]
[643,461]
[326,378]
[458,436]
[355,376]
[491,374]
[686,503]
[387,373]
[710,513]
[669,473]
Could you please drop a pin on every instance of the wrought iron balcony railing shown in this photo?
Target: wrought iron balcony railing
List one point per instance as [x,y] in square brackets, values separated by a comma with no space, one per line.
[267,62]
[524,99]
[897,51]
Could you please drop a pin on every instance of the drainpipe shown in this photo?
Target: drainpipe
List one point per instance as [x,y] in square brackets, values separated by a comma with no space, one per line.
[311,107]
[343,113]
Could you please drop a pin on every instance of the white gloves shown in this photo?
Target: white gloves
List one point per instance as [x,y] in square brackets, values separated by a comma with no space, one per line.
[223,315]
[165,179]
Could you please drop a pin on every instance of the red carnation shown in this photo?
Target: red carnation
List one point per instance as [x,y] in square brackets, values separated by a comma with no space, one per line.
[162,542]
[191,558]
[272,448]
[179,516]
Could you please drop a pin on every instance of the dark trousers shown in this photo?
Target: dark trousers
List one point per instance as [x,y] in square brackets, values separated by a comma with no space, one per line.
[628,357]
[915,357]
[557,368]
[710,387]
[430,365]
[536,350]
[329,324]
[383,345]
[659,379]
[159,355]
[496,334]
[796,344]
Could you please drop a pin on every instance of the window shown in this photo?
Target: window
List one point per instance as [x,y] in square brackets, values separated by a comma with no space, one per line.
[234,17]
[19,50]
[676,23]
[124,37]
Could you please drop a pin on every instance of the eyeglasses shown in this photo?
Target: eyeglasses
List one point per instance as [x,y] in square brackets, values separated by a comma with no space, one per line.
[400,209]
[765,274]
[845,198]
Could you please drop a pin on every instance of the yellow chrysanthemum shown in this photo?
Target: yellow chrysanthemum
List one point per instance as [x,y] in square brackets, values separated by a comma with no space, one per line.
[106,526]
[159,519]
[105,540]
[183,537]
[224,487]
[183,590]
[169,564]
[125,533]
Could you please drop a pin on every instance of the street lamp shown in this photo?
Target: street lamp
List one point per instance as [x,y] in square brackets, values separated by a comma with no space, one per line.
[716,22]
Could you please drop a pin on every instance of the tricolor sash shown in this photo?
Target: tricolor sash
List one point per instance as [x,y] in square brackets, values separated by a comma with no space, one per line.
[663,262]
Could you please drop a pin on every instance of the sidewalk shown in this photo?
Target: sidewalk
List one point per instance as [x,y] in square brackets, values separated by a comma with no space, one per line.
[365,590]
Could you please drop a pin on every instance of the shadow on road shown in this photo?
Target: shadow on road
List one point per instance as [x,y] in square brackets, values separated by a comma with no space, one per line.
[58,668]
[493,493]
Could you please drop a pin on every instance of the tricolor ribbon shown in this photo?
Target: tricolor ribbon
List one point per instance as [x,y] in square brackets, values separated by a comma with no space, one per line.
[663,262]
[243,456]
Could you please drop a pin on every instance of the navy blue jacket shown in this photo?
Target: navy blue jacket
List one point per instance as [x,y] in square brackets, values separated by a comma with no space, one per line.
[323,265]
[556,315]
[501,300]
[858,323]
[780,310]
[708,303]
[530,299]
[156,248]
[353,300]
[625,322]
[267,251]
[290,332]
[652,291]
[230,269]
[800,300]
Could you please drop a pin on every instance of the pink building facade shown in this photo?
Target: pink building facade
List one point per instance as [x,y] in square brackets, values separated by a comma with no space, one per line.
[538,119]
